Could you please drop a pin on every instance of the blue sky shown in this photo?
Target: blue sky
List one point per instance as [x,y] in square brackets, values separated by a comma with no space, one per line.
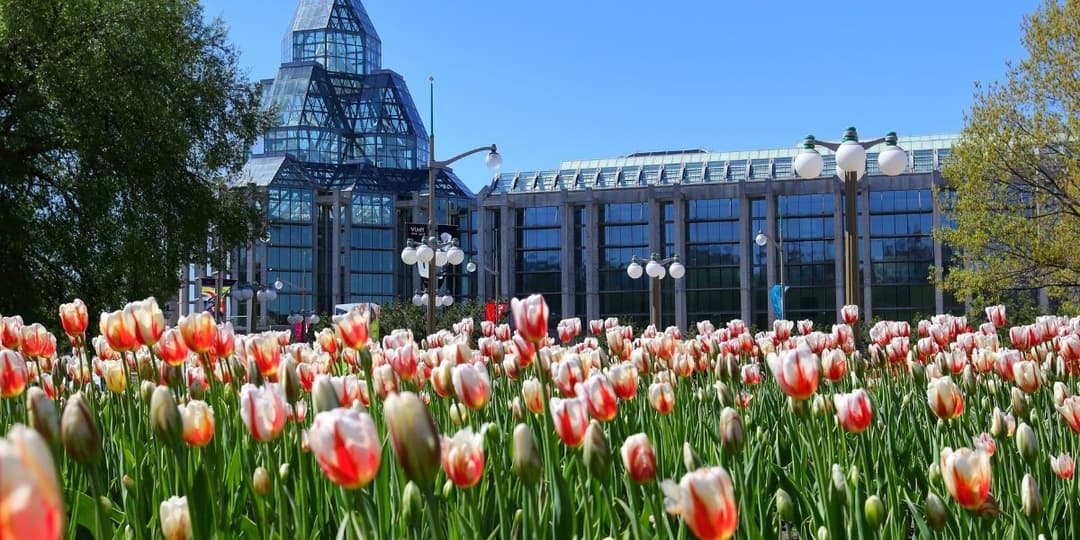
[556,80]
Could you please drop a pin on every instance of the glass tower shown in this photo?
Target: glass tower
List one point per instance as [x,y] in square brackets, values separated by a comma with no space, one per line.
[343,172]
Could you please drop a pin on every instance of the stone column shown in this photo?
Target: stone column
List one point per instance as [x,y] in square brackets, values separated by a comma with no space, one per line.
[939,260]
[746,259]
[679,209]
[566,266]
[592,259]
[864,256]
[507,251]
[336,253]
[772,256]
[838,245]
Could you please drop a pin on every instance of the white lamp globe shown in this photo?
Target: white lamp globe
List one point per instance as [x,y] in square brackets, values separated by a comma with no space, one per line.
[663,272]
[634,270]
[440,258]
[677,270]
[761,239]
[493,161]
[471,267]
[448,301]
[851,156]
[417,300]
[654,269]
[424,299]
[424,253]
[271,295]
[892,160]
[445,238]
[455,256]
[262,295]
[313,319]
[809,163]
[278,285]
[408,255]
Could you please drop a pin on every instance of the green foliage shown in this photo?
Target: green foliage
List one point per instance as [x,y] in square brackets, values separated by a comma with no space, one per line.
[402,314]
[118,122]
[1016,172]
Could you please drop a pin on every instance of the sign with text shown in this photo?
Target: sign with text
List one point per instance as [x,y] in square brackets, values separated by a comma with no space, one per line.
[419,231]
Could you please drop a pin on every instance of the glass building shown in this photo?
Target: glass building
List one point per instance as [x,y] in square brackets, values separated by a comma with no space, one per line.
[571,231]
[342,174]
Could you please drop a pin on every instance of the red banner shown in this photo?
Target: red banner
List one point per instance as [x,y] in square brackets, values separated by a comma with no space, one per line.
[495,312]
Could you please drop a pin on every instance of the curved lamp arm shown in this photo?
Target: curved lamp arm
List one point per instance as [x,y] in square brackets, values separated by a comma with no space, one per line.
[446,163]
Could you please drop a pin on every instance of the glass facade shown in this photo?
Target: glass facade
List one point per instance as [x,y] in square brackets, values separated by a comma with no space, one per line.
[707,207]
[805,229]
[712,259]
[624,233]
[538,258]
[901,253]
[343,168]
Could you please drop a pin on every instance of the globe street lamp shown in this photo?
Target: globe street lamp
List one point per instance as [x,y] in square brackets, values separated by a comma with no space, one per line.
[850,166]
[762,240]
[427,251]
[657,269]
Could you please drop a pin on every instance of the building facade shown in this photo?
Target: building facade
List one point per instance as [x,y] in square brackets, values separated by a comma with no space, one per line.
[340,176]
[570,233]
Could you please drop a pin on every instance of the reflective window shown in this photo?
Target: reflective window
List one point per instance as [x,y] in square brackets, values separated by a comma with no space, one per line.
[712,260]
[290,205]
[369,209]
[624,233]
[901,253]
[806,231]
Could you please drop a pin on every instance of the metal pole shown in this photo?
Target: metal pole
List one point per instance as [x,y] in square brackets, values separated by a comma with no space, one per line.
[851,238]
[431,233]
[780,248]
[656,303]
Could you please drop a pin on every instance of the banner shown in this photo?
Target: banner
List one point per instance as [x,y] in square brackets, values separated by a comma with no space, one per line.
[209,295]
[777,299]
[495,312]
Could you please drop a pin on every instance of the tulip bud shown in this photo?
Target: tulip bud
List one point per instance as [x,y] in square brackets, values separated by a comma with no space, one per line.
[491,434]
[292,381]
[517,410]
[146,391]
[934,472]
[43,417]
[145,369]
[1019,402]
[196,390]
[165,417]
[875,512]
[732,434]
[597,450]
[175,519]
[448,489]
[412,508]
[691,460]
[822,533]
[129,482]
[821,406]
[936,512]
[458,414]
[853,475]
[1027,442]
[414,437]
[839,483]
[526,458]
[261,482]
[79,433]
[254,375]
[785,506]
[798,406]
[724,394]
[1030,499]
[323,397]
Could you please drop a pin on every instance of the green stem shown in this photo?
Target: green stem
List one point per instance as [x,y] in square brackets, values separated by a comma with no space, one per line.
[433,515]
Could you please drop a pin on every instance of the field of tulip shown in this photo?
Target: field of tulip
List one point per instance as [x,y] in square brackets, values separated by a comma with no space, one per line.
[144,431]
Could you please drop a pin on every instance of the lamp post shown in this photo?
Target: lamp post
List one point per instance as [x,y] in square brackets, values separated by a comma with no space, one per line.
[850,167]
[307,318]
[427,249]
[657,269]
[263,293]
[762,240]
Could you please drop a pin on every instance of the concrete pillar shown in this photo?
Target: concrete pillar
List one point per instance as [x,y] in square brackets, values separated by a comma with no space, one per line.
[864,256]
[419,215]
[315,292]
[508,250]
[264,319]
[939,260]
[483,241]
[746,259]
[336,254]
[249,308]
[592,260]
[772,257]
[680,249]
[566,234]
[838,246]
[656,245]
[200,272]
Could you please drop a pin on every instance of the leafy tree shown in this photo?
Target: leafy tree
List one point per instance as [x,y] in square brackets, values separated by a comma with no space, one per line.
[118,121]
[1016,173]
